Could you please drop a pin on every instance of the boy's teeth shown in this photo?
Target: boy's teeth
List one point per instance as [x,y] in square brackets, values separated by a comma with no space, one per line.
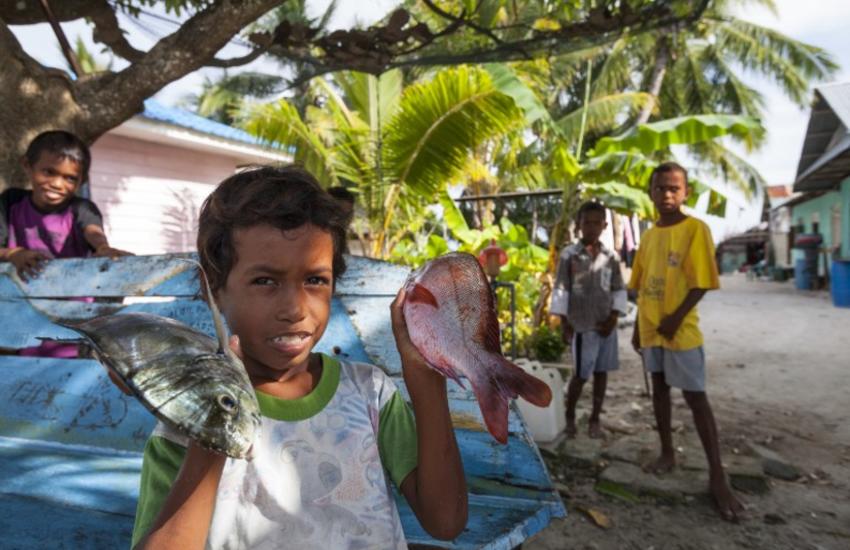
[294,339]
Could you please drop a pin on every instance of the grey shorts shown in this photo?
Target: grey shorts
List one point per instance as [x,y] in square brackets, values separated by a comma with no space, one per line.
[594,353]
[684,369]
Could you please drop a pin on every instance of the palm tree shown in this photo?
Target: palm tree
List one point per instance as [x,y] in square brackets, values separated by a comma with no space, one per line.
[396,147]
[698,69]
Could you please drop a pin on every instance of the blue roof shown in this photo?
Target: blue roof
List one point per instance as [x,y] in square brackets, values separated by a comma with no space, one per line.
[154,110]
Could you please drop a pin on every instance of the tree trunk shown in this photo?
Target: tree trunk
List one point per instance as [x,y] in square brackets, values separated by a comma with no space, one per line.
[656,79]
[35,98]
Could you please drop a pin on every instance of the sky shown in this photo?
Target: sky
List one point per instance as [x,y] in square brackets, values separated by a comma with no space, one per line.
[819,22]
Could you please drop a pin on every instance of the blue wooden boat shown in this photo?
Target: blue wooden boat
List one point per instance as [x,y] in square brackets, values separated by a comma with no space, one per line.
[70,442]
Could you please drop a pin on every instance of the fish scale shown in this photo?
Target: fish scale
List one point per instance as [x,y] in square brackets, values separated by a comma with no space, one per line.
[452,321]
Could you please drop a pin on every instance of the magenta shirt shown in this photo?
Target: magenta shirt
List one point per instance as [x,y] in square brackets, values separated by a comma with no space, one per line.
[56,234]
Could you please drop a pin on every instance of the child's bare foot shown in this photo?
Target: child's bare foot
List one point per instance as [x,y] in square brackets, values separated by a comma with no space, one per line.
[661,465]
[571,430]
[594,430]
[728,505]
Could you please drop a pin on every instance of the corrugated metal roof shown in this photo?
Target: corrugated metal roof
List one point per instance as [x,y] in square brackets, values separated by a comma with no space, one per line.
[825,158]
[837,95]
[154,110]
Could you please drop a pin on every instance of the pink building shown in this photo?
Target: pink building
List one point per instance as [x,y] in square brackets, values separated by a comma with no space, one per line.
[150,175]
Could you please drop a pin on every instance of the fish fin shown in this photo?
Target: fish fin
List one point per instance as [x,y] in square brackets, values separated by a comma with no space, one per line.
[220,332]
[516,382]
[503,381]
[448,372]
[488,330]
[494,408]
[421,295]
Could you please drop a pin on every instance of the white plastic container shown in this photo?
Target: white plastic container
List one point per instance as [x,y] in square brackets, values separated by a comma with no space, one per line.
[545,424]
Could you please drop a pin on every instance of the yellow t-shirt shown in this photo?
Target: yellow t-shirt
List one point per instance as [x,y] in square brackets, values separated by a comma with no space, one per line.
[671,261]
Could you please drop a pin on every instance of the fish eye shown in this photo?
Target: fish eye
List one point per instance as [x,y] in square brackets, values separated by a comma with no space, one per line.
[227,403]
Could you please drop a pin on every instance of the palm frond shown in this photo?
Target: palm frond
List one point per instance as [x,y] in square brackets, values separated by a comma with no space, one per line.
[439,122]
[734,169]
[603,114]
[280,125]
[373,98]
[789,63]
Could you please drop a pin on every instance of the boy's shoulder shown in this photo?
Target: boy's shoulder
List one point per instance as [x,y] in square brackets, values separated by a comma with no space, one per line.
[13,195]
[372,382]
[571,249]
[690,224]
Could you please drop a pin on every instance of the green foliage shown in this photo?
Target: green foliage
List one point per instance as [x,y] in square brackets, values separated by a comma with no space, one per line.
[685,130]
[547,344]
[527,263]
[438,122]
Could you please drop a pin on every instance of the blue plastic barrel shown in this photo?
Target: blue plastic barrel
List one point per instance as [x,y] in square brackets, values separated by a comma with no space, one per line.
[802,275]
[841,283]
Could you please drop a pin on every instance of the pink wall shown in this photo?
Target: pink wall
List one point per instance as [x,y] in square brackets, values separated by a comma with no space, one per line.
[150,193]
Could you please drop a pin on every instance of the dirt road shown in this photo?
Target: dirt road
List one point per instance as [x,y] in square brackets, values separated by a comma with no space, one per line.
[778,376]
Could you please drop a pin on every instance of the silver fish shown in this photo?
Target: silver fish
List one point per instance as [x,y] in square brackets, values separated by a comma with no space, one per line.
[191,382]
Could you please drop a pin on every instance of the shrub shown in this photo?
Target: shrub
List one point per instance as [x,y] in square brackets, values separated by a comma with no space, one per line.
[547,344]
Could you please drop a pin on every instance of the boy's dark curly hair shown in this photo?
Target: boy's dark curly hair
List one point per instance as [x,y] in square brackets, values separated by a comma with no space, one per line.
[590,206]
[665,167]
[65,145]
[285,197]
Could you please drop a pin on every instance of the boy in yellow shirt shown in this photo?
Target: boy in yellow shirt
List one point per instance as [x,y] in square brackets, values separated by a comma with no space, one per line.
[673,269]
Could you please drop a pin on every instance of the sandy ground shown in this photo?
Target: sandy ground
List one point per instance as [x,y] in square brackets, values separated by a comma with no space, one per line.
[778,371]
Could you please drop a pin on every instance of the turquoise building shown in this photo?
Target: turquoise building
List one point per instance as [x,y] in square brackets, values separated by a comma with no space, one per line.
[823,176]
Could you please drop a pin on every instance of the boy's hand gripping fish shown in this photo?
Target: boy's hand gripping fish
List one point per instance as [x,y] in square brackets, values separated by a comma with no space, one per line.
[191,382]
[451,319]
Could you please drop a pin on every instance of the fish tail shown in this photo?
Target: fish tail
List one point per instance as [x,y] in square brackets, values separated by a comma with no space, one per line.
[506,381]
[516,382]
[494,409]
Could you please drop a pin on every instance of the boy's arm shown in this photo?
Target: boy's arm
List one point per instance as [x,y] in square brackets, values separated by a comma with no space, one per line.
[184,521]
[28,263]
[96,238]
[700,271]
[436,489]
[670,324]
[618,299]
[560,303]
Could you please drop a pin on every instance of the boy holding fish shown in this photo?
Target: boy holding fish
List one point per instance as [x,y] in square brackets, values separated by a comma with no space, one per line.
[589,296]
[334,433]
[673,270]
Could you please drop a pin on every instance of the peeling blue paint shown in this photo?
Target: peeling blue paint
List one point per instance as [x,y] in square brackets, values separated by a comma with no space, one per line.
[70,443]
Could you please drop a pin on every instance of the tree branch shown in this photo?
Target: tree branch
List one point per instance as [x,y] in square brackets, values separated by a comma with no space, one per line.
[598,27]
[114,97]
[17,12]
[237,61]
[9,43]
[107,31]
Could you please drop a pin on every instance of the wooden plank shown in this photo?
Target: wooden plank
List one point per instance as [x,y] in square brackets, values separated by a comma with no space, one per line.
[127,276]
[76,483]
[32,320]
[71,402]
[73,476]
[28,522]
[167,275]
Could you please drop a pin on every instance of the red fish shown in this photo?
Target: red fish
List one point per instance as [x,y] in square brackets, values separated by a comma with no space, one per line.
[451,318]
